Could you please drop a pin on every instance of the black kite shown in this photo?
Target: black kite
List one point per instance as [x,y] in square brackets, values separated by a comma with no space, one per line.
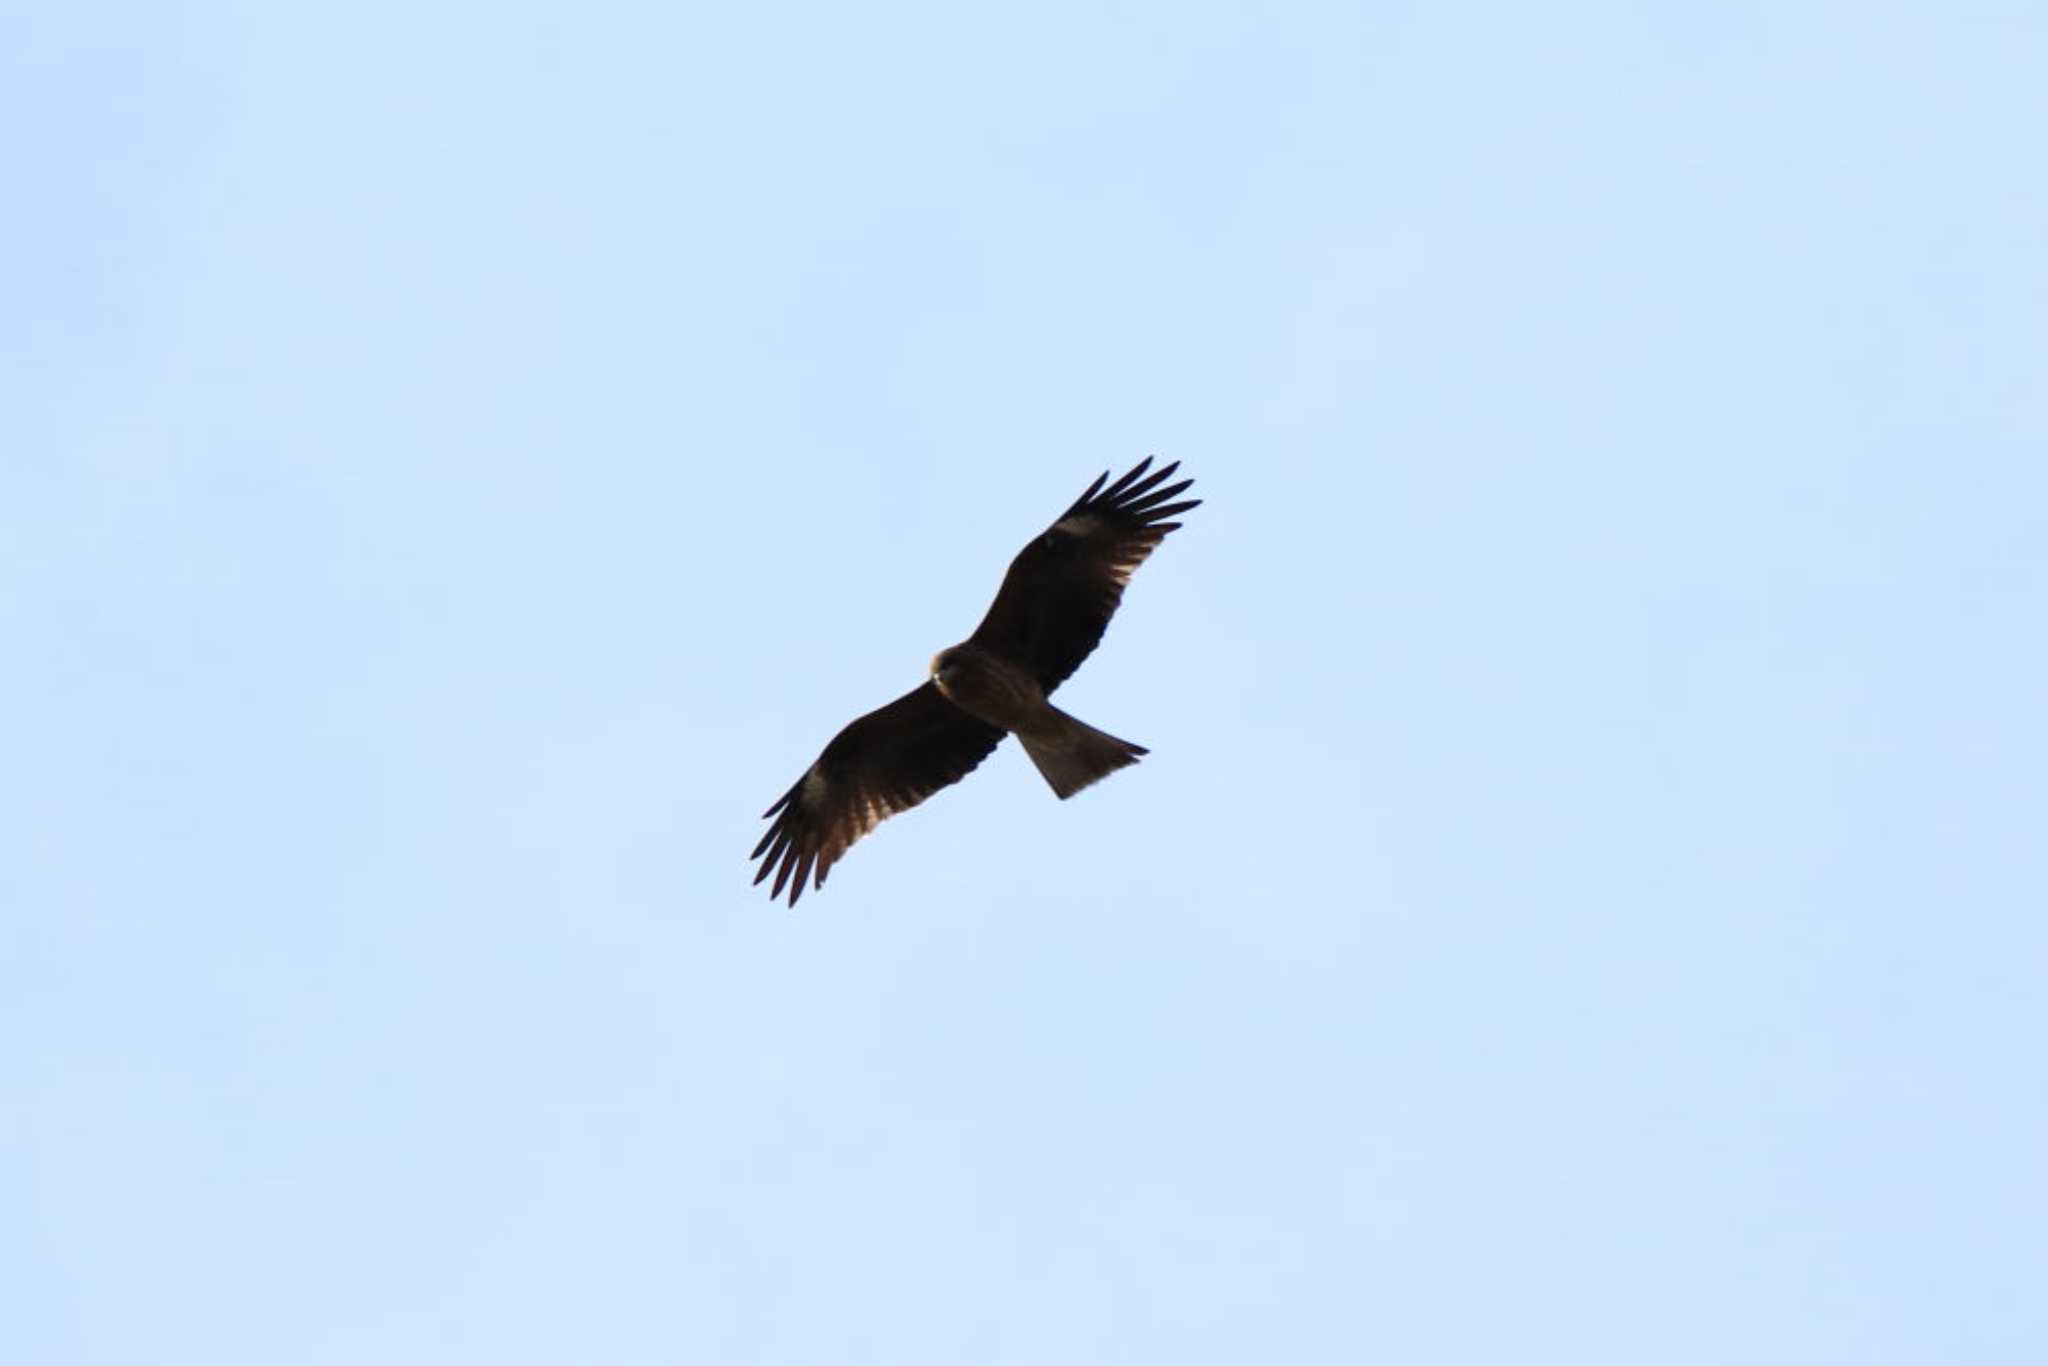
[1054,604]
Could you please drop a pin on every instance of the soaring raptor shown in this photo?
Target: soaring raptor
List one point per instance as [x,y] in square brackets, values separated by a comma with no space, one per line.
[1050,613]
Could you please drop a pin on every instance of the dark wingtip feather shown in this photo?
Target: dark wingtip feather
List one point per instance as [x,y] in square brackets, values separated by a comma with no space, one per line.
[1137,492]
[783,865]
[1116,490]
[1086,494]
[1157,496]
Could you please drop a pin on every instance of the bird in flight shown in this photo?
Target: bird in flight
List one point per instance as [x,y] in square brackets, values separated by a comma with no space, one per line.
[1054,604]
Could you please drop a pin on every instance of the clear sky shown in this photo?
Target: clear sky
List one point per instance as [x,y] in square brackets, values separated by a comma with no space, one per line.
[1585,901]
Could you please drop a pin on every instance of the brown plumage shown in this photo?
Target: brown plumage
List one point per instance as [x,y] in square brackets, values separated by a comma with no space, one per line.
[1050,613]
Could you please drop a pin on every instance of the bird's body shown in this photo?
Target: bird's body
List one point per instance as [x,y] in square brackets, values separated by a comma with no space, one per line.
[1055,602]
[988,687]
[1070,754]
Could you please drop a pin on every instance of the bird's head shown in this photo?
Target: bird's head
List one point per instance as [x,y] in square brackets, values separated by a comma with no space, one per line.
[946,666]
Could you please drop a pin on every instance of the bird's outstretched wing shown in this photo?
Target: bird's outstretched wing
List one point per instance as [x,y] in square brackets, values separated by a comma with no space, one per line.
[887,761]
[1063,588]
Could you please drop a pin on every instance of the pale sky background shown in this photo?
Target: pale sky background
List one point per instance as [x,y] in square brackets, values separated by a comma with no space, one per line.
[1585,902]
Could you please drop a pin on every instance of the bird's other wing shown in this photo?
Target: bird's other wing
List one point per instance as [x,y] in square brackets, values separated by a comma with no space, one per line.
[1065,585]
[887,761]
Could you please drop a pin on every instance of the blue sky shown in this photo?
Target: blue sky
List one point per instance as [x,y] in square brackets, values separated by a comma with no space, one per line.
[1584,901]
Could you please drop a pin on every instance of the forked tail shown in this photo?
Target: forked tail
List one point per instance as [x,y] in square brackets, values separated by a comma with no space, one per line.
[1072,754]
